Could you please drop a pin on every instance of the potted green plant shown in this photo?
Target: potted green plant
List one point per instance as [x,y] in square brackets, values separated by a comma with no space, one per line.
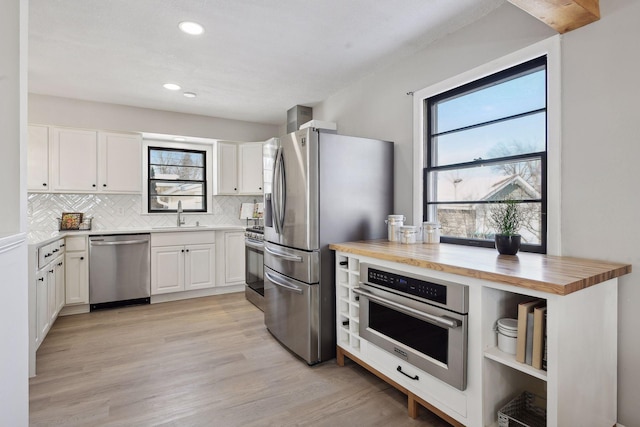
[506,217]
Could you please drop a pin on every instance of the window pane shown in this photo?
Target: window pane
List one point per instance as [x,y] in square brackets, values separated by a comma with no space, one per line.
[472,222]
[170,203]
[517,136]
[164,188]
[516,180]
[177,173]
[516,96]
[176,157]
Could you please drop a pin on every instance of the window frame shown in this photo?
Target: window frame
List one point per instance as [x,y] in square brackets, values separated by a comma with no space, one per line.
[207,149]
[549,48]
[430,208]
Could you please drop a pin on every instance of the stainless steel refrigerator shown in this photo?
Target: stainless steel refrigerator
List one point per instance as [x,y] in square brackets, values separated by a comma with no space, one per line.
[320,188]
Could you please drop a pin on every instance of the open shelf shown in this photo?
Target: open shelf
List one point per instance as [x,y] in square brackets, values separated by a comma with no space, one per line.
[494,353]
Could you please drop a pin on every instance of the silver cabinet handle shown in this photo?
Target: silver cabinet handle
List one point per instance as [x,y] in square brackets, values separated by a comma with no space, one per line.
[116,243]
[294,258]
[283,284]
[439,320]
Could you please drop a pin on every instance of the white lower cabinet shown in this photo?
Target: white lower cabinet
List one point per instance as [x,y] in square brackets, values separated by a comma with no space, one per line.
[49,286]
[76,271]
[182,261]
[42,306]
[234,259]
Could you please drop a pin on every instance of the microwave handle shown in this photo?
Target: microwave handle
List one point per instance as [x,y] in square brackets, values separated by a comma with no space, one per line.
[438,320]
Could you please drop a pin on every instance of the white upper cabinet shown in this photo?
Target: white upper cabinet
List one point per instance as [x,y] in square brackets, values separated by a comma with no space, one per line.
[83,161]
[227,168]
[250,168]
[239,168]
[73,159]
[119,162]
[38,158]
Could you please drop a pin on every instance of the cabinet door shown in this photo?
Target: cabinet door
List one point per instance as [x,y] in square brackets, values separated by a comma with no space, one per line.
[200,270]
[77,278]
[119,163]
[234,261]
[167,269]
[51,293]
[227,168]
[74,164]
[42,305]
[38,158]
[60,284]
[250,168]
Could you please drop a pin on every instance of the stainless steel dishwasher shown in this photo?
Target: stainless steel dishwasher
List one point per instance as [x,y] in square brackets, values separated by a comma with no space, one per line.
[119,271]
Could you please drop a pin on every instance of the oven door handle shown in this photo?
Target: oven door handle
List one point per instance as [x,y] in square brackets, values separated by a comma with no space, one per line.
[288,286]
[251,244]
[288,257]
[438,320]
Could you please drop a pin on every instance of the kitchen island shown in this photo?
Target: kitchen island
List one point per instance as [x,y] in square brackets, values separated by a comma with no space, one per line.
[581,300]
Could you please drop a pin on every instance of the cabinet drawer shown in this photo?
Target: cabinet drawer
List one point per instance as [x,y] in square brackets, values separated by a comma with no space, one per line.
[76,243]
[431,389]
[183,238]
[49,252]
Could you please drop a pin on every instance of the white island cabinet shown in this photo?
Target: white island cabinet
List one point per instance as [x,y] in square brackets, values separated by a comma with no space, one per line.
[581,301]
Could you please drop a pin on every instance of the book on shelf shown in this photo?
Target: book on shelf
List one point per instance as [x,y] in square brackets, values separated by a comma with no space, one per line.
[544,345]
[539,334]
[521,342]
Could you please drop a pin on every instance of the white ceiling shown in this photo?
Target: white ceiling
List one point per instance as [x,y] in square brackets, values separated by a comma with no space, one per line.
[256,59]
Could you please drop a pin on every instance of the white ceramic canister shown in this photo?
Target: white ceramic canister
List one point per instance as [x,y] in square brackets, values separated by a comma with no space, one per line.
[507,335]
[408,234]
[431,232]
[394,222]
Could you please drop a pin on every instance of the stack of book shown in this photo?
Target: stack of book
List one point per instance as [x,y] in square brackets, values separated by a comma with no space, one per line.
[532,334]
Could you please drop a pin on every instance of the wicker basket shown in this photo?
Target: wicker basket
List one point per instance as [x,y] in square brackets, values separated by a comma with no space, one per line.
[85,225]
[524,411]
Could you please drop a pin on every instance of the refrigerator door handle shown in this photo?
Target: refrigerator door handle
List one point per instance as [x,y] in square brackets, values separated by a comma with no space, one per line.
[274,192]
[283,283]
[284,256]
[281,186]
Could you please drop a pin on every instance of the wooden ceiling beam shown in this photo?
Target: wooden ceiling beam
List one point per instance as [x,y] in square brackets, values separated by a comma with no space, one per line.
[561,15]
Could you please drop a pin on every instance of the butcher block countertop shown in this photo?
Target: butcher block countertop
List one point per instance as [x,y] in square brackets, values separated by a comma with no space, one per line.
[545,273]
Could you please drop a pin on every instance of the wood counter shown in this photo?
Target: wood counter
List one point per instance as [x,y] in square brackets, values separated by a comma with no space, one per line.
[545,273]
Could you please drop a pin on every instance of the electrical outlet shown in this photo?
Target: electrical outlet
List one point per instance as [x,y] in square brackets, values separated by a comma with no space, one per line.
[120,211]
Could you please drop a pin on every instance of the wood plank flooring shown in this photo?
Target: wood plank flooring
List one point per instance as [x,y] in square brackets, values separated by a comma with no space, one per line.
[200,362]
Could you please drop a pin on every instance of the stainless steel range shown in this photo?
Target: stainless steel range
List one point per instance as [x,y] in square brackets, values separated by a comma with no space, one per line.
[254,265]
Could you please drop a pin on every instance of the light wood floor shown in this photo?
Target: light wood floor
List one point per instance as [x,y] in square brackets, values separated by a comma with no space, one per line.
[200,362]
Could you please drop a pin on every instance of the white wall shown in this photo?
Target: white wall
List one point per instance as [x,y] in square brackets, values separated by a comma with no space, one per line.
[600,143]
[14,347]
[600,167]
[51,110]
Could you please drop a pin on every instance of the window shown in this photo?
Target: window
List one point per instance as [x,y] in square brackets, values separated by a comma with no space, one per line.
[486,141]
[176,174]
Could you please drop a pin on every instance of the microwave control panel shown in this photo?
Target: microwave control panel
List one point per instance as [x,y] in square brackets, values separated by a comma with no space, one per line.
[409,285]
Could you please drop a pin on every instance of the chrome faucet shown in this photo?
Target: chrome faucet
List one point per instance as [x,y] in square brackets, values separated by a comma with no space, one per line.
[180,220]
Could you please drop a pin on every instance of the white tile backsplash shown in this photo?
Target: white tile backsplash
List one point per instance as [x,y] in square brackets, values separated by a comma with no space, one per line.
[113,211]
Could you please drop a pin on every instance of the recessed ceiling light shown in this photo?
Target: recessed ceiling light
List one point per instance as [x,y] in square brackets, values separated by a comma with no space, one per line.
[189,95]
[192,28]
[171,86]
[179,138]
